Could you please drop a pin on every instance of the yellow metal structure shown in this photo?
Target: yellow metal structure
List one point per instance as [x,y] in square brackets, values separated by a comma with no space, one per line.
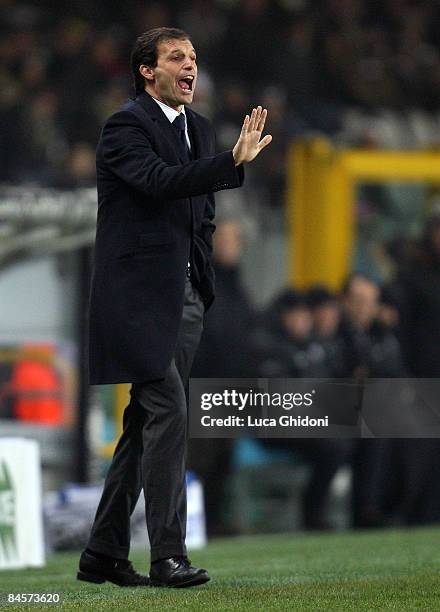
[121,399]
[321,203]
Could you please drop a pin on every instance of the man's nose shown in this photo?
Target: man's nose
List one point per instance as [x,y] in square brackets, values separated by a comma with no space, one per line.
[189,63]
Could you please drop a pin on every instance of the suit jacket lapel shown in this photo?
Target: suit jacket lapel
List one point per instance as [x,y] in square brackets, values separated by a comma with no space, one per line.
[198,145]
[195,135]
[155,113]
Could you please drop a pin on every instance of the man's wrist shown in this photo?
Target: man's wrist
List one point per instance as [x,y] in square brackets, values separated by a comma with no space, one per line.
[237,161]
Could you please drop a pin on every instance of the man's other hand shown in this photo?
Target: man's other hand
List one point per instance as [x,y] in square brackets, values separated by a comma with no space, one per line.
[249,145]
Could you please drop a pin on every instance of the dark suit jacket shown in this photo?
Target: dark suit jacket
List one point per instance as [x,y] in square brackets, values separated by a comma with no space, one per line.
[154,214]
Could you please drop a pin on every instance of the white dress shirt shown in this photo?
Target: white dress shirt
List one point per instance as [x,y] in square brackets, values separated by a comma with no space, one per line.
[171,114]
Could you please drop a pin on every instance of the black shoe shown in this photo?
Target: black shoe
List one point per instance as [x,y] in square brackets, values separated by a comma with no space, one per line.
[99,569]
[176,572]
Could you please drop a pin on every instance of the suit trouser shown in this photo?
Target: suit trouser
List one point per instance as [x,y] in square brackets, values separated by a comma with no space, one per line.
[150,454]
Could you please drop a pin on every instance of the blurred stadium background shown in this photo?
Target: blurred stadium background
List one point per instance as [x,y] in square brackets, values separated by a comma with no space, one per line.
[350,185]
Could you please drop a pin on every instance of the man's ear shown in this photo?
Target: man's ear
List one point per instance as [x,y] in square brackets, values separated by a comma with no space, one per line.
[147,72]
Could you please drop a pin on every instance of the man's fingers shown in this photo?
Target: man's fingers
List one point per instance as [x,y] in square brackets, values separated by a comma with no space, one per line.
[251,127]
[251,120]
[245,125]
[262,121]
[256,120]
[257,117]
[264,142]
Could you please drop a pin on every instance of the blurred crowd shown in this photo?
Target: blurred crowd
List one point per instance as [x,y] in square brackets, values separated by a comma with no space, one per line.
[351,69]
[365,331]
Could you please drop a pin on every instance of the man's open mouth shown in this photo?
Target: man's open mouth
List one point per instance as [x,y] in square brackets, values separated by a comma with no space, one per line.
[186,84]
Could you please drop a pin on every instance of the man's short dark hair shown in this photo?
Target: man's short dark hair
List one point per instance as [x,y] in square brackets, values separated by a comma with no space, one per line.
[319,296]
[145,51]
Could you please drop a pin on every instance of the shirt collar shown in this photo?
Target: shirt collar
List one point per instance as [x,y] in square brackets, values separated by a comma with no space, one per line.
[170,113]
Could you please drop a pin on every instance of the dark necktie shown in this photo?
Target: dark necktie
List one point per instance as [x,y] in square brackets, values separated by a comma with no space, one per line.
[179,124]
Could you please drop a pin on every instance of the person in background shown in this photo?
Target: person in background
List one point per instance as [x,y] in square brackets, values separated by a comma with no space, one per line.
[79,168]
[283,344]
[418,286]
[326,313]
[388,313]
[223,353]
[284,347]
[419,283]
[224,349]
[373,351]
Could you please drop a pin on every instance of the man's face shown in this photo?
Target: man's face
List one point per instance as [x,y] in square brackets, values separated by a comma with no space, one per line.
[174,78]
[326,318]
[362,302]
[298,322]
[228,244]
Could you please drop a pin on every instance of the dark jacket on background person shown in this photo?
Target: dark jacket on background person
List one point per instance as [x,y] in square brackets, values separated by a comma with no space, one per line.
[154,215]
[223,353]
[336,357]
[224,348]
[420,315]
[379,487]
[419,287]
[375,350]
[277,355]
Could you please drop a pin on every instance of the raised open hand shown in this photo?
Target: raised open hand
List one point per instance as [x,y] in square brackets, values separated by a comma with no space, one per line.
[249,145]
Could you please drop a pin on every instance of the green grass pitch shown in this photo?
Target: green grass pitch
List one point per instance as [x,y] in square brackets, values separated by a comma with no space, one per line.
[381,570]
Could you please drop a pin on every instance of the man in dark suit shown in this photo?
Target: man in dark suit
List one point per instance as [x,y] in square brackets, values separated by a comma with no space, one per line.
[156,174]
